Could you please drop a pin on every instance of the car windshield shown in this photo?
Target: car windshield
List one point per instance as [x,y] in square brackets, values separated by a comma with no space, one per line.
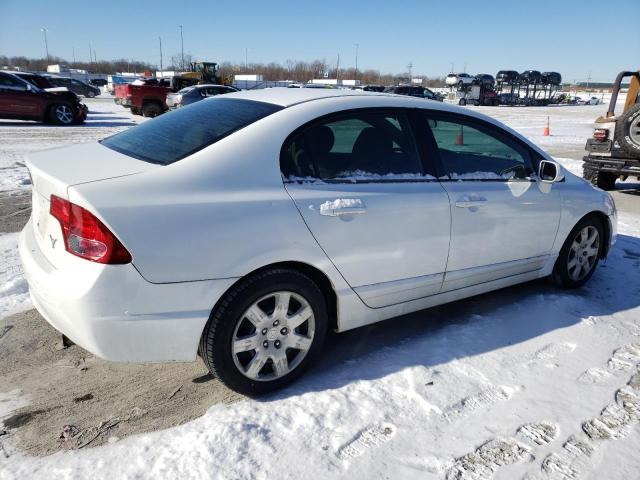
[187,89]
[176,135]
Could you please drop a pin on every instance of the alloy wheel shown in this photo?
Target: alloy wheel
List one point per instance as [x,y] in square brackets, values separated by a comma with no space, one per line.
[583,253]
[273,336]
[64,114]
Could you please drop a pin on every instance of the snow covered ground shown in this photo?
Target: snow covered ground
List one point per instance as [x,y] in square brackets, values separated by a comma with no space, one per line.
[529,382]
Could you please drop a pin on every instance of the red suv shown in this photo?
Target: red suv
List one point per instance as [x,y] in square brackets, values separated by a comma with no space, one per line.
[26,96]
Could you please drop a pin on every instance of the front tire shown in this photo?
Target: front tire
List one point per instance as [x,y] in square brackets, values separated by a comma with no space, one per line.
[265,332]
[61,114]
[580,254]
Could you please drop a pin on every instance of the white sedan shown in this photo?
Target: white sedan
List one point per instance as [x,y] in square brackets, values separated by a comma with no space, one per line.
[244,227]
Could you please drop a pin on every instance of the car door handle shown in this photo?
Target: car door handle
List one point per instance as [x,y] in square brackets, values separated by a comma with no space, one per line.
[467,202]
[343,206]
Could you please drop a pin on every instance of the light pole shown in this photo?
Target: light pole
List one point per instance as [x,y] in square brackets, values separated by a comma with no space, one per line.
[160,39]
[46,44]
[356,75]
[181,48]
[246,61]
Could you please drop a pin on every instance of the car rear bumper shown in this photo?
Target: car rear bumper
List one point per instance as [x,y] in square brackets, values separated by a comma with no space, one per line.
[616,165]
[114,313]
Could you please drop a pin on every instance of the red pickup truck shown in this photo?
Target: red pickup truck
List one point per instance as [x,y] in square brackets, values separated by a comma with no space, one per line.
[148,100]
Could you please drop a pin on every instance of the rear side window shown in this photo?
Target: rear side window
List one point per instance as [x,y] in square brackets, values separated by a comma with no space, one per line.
[176,135]
[361,146]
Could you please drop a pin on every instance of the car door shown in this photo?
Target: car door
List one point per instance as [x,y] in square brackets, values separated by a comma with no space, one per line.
[504,222]
[379,214]
[17,98]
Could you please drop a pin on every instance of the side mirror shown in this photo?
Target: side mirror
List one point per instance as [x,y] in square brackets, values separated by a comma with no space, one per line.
[550,172]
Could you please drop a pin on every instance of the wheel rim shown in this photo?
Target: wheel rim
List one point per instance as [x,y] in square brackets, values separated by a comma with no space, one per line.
[64,114]
[583,253]
[634,131]
[273,336]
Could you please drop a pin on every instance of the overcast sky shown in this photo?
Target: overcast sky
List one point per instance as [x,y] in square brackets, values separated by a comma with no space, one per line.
[578,38]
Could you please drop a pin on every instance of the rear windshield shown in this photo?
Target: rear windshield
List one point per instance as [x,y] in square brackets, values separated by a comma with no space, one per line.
[176,135]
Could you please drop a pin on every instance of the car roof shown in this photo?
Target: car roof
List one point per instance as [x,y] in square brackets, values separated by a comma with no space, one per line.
[207,85]
[287,97]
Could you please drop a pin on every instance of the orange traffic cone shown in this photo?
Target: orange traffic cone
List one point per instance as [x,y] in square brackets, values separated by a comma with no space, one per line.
[459,138]
[546,132]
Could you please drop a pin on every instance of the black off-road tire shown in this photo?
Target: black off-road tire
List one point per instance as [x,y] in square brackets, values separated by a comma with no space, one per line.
[151,109]
[560,275]
[462,102]
[91,94]
[604,180]
[136,111]
[216,340]
[628,120]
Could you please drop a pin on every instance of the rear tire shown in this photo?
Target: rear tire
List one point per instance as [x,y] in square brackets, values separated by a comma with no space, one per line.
[580,254]
[151,109]
[246,313]
[91,94]
[462,102]
[604,180]
[628,131]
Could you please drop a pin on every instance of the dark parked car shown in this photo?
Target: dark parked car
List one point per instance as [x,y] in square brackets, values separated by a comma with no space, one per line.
[485,80]
[530,77]
[195,93]
[508,98]
[414,91]
[373,88]
[507,76]
[24,96]
[98,82]
[551,78]
[76,86]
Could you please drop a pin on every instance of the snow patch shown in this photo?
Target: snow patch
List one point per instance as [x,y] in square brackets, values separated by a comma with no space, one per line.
[14,291]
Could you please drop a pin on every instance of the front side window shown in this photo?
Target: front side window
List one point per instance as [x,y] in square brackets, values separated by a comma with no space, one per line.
[472,152]
[360,146]
[182,132]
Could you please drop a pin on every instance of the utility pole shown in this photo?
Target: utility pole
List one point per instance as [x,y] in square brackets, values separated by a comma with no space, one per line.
[338,69]
[356,75]
[465,68]
[73,49]
[90,57]
[181,48]
[46,44]
[160,39]
[246,62]
[410,67]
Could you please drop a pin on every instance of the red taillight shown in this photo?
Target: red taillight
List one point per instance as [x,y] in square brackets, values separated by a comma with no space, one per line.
[601,134]
[85,236]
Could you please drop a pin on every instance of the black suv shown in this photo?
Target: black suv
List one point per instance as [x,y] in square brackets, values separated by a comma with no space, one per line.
[23,96]
[76,86]
[414,91]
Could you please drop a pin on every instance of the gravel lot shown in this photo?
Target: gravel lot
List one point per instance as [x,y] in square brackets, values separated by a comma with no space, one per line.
[108,401]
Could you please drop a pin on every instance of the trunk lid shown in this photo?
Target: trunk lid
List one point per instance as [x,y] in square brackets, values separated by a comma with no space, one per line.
[54,171]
